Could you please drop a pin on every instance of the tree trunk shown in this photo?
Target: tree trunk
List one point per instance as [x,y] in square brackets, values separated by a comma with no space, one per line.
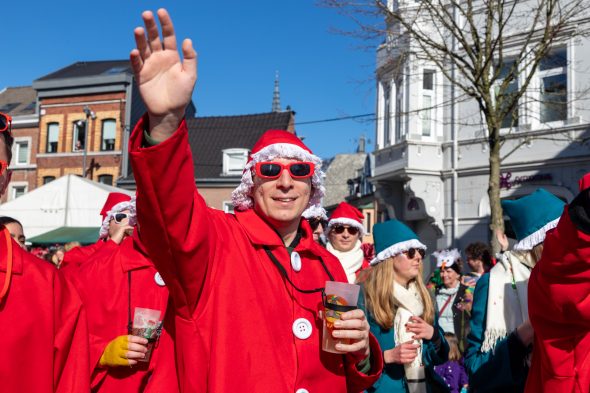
[496,219]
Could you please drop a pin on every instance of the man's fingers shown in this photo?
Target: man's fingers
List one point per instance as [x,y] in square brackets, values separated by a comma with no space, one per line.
[135,355]
[167,30]
[136,62]
[133,347]
[354,347]
[189,63]
[141,42]
[353,314]
[132,362]
[152,31]
[352,334]
[137,340]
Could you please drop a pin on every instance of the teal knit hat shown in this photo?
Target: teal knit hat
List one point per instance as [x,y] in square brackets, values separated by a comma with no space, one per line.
[392,238]
[532,216]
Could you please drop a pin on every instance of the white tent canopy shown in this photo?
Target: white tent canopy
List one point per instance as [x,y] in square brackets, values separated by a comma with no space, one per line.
[69,201]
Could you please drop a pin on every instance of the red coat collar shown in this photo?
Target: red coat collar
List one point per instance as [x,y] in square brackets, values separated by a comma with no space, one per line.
[261,233]
[133,255]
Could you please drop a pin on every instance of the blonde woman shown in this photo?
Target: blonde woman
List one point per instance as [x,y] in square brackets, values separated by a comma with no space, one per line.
[401,313]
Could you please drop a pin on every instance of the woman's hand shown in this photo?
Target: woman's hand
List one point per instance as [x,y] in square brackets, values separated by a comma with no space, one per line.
[401,354]
[420,328]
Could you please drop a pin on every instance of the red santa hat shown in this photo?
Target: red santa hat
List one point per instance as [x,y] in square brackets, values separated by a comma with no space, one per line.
[116,202]
[278,144]
[346,214]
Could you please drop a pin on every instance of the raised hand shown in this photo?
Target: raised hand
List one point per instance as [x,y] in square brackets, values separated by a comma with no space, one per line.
[165,82]
[420,328]
[401,354]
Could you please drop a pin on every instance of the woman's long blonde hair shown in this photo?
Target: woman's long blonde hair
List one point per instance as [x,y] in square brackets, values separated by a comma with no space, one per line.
[379,297]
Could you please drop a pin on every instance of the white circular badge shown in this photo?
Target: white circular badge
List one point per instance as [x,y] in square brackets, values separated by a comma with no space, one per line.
[295,261]
[159,280]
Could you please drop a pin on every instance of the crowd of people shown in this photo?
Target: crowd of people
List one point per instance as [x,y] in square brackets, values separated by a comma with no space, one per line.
[177,296]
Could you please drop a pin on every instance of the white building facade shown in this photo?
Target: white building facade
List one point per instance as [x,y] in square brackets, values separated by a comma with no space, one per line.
[431,155]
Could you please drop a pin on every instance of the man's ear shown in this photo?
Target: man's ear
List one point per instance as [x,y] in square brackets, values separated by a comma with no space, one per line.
[5,185]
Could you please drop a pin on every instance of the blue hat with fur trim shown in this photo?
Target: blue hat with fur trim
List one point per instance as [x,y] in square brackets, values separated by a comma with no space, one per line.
[392,238]
[532,216]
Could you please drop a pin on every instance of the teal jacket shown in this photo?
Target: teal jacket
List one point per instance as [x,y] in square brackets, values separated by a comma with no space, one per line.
[502,370]
[435,352]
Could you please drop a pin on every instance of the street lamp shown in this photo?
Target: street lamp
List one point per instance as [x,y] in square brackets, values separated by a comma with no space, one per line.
[89,114]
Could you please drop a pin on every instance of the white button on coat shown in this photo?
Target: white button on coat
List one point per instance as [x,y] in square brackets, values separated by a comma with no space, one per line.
[302,328]
[295,261]
[302,391]
[159,280]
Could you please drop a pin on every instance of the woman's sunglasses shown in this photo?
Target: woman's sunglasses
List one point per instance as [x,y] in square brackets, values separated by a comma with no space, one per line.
[273,170]
[411,253]
[340,229]
[5,123]
[314,223]
[119,217]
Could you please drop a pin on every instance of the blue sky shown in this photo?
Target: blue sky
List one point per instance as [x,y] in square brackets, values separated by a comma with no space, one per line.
[323,75]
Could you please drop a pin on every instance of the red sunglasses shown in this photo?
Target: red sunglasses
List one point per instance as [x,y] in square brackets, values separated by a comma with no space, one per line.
[3,166]
[5,123]
[273,170]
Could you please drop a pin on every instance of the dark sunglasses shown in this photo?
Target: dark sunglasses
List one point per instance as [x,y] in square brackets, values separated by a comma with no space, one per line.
[411,253]
[314,223]
[119,217]
[340,229]
[5,123]
[273,170]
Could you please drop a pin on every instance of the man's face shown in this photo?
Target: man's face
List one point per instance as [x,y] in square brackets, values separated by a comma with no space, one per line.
[17,233]
[281,201]
[473,263]
[343,241]
[5,176]
[115,226]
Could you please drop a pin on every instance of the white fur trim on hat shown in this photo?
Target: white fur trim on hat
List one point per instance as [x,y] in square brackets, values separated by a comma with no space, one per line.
[347,221]
[447,257]
[242,195]
[119,207]
[396,249]
[537,237]
[315,212]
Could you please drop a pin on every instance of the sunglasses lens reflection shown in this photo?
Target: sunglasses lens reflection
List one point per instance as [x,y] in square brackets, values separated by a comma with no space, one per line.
[270,170]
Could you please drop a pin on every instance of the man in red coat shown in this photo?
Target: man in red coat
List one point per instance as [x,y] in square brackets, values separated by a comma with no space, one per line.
[114,286]
[559,303]
[246,288]
[111,233]
[44,338]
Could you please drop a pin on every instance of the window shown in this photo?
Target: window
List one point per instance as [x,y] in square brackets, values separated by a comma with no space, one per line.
[398,110]
[386,114]
[427,101]
[18,191]
[48,179]
[22,152]
[79,135]
[109,129]
[553,86]
[508,69]
[234,161]
[106,179]
[228,207]
[52,137]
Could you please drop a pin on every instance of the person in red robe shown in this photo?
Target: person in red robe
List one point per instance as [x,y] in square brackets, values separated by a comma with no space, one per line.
[111,233]
[116,286]
[559,305]
[44,336]
[246,288]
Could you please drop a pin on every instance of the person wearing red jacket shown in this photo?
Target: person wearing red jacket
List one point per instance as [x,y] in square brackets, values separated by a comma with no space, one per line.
[44,336]
[559,307]
[345,231]
[111,233]
[246,288]
[116,285]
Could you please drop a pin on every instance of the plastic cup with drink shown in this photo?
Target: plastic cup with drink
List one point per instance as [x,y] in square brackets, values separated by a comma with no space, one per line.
[340,297]
[147,324]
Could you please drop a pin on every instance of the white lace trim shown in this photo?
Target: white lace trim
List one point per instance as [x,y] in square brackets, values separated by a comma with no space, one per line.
[242,195]
[315,212]
[529,242]
[396,249]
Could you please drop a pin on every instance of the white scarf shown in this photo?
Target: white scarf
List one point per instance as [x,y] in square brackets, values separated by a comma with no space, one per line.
[351,260]
[409,304]
[507,296]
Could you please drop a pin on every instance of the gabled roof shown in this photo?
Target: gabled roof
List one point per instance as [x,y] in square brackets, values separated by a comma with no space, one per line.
[90,68]
[18,101]
[208,136]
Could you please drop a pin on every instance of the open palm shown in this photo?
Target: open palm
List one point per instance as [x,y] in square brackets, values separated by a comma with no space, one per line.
[165,82]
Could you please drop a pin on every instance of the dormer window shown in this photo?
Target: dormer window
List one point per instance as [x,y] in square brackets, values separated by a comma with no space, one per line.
[234,161]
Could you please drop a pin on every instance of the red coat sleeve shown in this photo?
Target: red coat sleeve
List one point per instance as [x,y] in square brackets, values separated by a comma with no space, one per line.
[71,369]
[357,381]
[174,221]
